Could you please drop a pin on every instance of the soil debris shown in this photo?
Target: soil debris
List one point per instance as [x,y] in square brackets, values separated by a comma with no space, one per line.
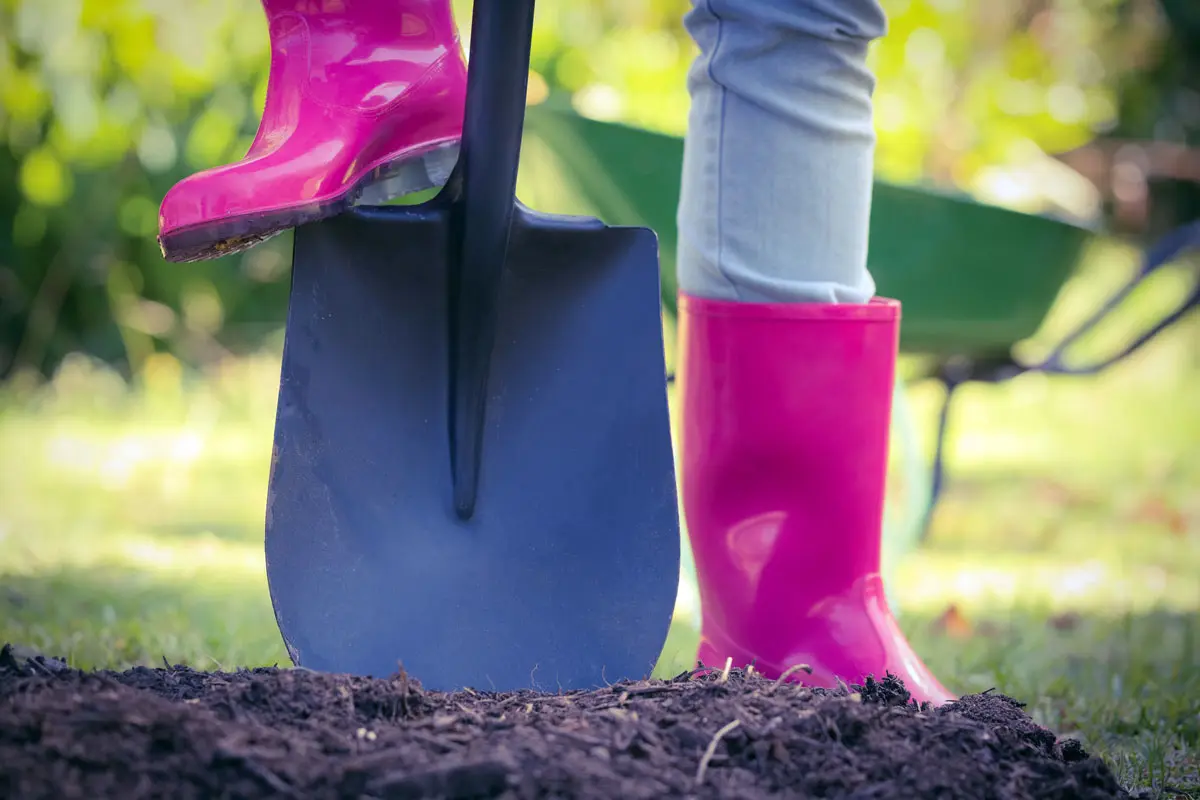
[175,732]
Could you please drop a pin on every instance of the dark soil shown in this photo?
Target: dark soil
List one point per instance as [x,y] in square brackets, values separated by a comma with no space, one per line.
[268,733]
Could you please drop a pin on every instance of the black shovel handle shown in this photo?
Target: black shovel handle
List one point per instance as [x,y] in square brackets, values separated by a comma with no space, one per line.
[497,82]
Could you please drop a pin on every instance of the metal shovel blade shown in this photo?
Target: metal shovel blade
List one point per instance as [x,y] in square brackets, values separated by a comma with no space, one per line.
[565,575]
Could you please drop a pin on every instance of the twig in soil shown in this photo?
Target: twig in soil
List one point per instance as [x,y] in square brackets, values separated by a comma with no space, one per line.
[581,738]
[479,779]
[646,691]
[725,672]
[711,750]
[792,670]
[346,693]
[259,771]
[403,675]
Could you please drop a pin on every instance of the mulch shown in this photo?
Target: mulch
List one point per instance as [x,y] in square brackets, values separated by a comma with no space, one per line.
[175,732]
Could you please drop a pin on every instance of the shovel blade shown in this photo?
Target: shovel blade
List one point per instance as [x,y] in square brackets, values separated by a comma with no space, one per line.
[566,574]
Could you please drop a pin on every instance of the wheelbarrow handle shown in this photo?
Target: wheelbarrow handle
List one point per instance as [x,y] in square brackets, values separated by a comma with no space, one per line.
[1165,251]
[482,219]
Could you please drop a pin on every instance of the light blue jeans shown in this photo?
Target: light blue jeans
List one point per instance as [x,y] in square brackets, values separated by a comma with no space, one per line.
[779,154]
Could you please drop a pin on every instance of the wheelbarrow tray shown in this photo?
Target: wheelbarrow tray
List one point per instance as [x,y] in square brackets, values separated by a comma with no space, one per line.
[974,278]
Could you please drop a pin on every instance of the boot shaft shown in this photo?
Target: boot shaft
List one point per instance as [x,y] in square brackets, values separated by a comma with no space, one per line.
[785,416]
[786,412]
[387,17]
[360,54]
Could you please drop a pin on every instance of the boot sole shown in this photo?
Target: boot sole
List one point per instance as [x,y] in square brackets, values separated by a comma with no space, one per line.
[377,186]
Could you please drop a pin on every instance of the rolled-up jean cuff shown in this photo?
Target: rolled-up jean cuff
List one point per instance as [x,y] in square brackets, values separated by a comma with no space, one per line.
[778,160]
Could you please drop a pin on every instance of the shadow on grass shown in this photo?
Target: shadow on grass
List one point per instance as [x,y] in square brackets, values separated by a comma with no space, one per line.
[112,617]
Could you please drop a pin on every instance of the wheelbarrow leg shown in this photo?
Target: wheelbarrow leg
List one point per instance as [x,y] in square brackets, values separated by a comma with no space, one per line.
[785,413]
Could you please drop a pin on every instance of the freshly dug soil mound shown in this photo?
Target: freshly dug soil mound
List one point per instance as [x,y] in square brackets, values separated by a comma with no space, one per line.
[272,733]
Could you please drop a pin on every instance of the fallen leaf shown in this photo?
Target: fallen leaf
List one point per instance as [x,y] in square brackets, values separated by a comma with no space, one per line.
[953,623]
[987,629]
[1057,494]
[1155,510]
[1067,621]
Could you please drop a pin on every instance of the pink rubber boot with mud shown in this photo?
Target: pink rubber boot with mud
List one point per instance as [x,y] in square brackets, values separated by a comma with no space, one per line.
[365,101]
[785,410]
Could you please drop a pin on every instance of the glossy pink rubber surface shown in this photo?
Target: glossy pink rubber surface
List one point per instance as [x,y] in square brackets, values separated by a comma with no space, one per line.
[785,410]
[356,89]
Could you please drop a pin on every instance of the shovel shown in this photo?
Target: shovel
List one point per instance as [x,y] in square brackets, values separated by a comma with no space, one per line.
[472,473]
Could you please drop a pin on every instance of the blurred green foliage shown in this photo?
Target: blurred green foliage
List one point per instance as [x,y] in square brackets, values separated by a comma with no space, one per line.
[106,103]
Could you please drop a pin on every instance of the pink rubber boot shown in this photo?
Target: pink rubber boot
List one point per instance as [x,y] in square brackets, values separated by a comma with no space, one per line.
[785,412]
[363,96]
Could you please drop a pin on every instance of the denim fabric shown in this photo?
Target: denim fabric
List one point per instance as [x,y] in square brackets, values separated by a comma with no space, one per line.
[779,154]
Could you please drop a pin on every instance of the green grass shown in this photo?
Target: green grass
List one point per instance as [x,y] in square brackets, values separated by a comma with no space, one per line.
[1068,543]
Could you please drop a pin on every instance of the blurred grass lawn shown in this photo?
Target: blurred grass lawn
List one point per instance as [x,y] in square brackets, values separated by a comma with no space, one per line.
[1068,544]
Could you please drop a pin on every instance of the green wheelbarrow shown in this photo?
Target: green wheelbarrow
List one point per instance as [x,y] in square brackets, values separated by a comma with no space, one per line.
[974,279]
[960,296]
